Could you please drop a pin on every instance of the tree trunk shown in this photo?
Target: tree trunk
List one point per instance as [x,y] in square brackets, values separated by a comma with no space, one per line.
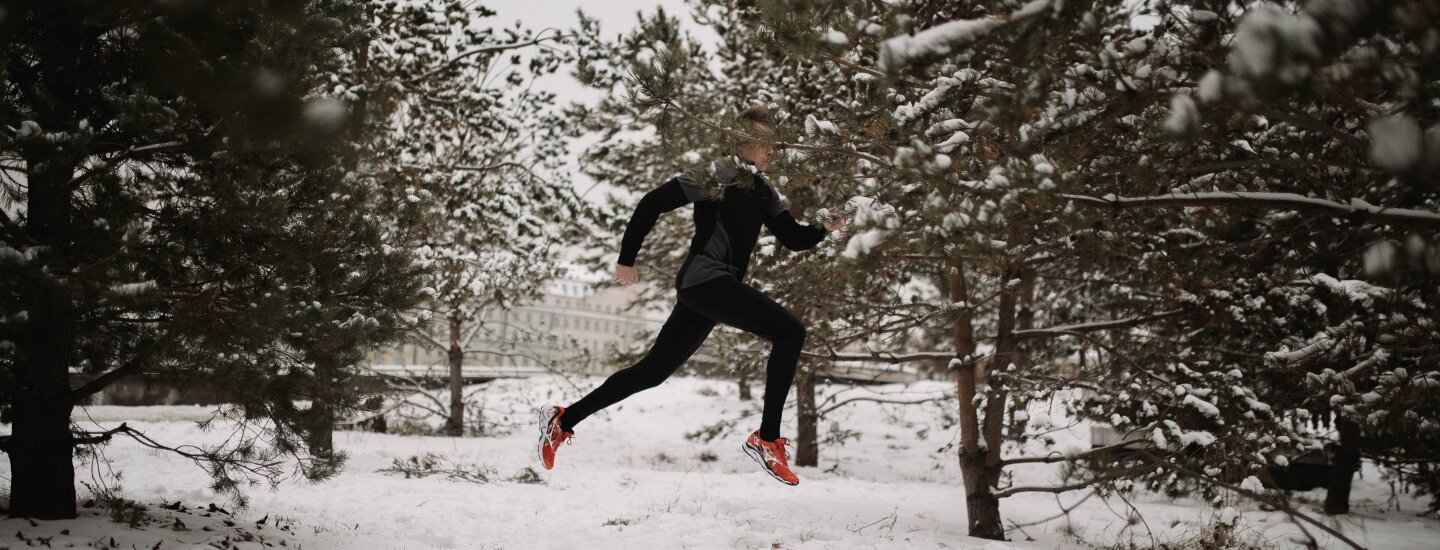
[744,381]
[41,447]
[982,508]
[455,424]
[807,444]
[1342,468]
[1024,320]
[379,425]
[321,437]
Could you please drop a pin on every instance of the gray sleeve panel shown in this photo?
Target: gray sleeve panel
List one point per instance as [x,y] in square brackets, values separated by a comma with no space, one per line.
[692,190]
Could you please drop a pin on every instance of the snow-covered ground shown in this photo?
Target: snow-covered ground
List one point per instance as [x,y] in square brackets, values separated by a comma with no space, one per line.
[632,479]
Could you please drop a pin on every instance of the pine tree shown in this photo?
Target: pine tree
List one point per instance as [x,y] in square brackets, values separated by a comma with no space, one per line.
[1047,110]
[478,150]
[1287,122]
[174,205]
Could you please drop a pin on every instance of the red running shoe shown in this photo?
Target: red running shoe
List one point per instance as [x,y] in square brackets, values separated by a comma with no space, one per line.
[771,456]
[551,436]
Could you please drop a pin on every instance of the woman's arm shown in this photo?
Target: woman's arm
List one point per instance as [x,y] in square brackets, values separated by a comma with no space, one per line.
[678,191]
[793,235]
[788,231]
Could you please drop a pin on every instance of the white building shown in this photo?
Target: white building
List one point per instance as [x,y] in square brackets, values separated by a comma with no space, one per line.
[571,315]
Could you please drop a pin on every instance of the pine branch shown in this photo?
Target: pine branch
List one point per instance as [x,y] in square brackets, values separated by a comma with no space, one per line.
[670,104]
[133,152]
[931,44]
[849,65]
[1357,210]
[1305,121]
[481,50]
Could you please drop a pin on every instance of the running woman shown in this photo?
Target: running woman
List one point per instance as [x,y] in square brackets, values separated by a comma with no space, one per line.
[732,200]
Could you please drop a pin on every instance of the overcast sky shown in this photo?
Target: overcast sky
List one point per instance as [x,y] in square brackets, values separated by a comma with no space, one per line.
[615,17]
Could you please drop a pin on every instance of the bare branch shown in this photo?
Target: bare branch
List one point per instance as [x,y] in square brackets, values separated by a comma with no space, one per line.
[94,385]
[831,408]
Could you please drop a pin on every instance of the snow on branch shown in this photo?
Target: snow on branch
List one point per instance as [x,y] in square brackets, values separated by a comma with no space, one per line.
[898,52]
[1357,209]
[1094,325]
[885,357]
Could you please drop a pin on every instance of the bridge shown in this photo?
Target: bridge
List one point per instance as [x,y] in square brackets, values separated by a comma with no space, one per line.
[382,378]
[378,377]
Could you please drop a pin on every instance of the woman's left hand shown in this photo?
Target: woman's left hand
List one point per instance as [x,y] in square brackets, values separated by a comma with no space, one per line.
[835,224]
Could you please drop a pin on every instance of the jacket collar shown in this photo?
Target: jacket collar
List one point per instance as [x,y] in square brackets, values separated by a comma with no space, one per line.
[730,166]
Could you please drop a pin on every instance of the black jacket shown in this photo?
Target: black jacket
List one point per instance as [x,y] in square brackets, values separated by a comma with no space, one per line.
[725,229]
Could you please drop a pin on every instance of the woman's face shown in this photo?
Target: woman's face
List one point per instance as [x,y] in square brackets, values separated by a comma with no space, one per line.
[759,153]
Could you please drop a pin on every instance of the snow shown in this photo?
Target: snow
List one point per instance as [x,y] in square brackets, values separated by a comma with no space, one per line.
[1395,142]
[1271,42]
[867,208]
[8,254]
[1205,407]
[815,126]
[1201,438]
[1284,200]
[862,243]
[133,289]
[326,114]
[836,37]
[928,102]
[1379,258]
[1210,89]
[1137,46]
[1183,115]
[1030,9]
[29,129]
[945,38]
[633,480]
[1203,16]
[955,140]
[1357,291]
[1252,483]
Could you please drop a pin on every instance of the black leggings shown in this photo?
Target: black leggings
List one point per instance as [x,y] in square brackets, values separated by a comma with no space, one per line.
[697,309]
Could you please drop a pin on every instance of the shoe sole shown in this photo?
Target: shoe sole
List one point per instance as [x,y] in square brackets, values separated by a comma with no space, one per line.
[755,454]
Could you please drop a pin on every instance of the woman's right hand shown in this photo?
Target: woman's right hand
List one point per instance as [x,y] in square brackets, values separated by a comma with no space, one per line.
[625,274]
